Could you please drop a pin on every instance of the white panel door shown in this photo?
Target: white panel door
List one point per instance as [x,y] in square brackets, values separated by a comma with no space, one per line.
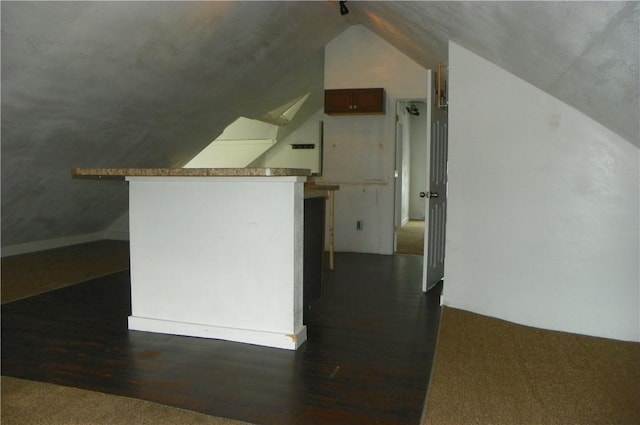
[436,205]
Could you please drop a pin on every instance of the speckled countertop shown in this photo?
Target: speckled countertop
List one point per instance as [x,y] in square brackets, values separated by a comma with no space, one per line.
[311,189]
[188,172]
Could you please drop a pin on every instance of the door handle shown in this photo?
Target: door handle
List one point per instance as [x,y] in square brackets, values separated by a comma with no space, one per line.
[433,194]
[422,194]
[429,194]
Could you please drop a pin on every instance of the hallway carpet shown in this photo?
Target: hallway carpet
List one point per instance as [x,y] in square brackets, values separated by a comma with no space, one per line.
[411,238]
[488,371]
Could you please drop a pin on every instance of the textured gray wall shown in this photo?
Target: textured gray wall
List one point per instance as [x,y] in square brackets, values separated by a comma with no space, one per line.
[136,85]
[145,84]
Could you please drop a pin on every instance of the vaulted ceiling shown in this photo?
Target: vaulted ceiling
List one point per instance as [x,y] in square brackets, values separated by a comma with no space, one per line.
[146,84]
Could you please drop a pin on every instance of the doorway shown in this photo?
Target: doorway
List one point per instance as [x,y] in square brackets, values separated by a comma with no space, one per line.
[411,181]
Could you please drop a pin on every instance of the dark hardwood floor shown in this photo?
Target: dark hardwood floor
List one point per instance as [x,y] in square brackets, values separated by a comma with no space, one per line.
[367,360]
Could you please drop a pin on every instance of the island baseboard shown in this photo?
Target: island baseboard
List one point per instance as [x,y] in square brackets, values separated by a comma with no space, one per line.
[247,336]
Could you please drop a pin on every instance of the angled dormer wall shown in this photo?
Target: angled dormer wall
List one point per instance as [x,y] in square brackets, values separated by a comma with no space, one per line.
[238,145]
[135,84]
[282,154]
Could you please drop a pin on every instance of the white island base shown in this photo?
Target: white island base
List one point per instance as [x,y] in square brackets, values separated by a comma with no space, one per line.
[218,257]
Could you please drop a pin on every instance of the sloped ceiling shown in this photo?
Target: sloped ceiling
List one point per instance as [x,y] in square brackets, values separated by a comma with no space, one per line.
[136,84]
[584,53]
[145,84]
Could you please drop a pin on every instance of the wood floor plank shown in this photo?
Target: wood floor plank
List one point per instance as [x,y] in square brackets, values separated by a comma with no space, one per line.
[368,357]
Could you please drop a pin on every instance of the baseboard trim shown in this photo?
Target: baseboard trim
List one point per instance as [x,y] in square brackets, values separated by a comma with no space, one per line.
[43,245]
[248,336]
[116,235]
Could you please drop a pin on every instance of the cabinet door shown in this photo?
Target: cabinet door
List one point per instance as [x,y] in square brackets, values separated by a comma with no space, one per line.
[354,101]
[338,101]
[368,101]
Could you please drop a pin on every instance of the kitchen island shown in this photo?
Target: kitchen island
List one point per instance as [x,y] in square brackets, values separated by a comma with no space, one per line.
[216,253]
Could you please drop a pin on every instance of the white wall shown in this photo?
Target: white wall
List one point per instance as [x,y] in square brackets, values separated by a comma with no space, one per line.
[282,155]
[542,224]
[359,151]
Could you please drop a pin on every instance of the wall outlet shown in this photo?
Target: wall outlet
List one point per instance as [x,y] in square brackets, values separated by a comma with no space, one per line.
[359,224]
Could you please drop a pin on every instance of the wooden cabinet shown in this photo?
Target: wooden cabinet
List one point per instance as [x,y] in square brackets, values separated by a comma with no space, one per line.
[354,101]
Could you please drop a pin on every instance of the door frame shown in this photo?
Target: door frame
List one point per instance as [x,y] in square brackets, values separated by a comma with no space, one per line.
[398,172]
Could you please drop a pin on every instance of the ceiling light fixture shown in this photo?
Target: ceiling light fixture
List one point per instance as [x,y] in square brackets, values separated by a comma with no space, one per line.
[343,7]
